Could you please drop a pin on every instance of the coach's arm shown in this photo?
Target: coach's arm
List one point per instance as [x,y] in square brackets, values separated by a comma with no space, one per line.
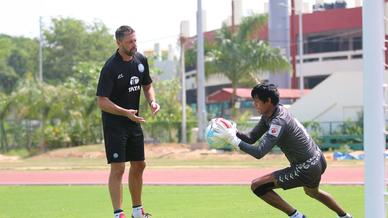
[106,105]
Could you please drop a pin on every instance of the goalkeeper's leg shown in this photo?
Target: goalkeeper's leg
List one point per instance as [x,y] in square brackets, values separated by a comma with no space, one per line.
[263,188]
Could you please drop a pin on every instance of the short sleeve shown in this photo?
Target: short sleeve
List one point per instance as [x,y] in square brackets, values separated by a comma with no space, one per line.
[147,78]
[105,83]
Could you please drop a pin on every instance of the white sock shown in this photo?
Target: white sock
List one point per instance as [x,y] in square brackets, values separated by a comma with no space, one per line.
[117,215]
[137,212]
[345,216]
[297,214]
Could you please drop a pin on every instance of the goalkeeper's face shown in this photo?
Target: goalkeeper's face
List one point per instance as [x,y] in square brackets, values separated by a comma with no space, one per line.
[263,108]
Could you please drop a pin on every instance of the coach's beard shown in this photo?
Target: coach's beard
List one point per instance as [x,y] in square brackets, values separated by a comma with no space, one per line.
[131,52]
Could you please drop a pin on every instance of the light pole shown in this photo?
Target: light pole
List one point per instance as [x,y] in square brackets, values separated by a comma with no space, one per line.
[300,36]
[292,45]
[40,76]
[183,37]
[202,117]
[301,78]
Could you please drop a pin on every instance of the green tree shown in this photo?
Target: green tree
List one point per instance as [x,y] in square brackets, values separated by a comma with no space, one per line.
[85,116]
[18,55]
[8,78]
[24,56]
[69,42]
[239,57]
[5,105]
[165,126]
[6,46]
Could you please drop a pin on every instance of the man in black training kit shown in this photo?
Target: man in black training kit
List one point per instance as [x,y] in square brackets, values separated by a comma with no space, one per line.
[118,96]
[278,127]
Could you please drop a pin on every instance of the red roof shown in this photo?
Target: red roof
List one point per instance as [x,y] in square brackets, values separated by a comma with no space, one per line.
[225,94]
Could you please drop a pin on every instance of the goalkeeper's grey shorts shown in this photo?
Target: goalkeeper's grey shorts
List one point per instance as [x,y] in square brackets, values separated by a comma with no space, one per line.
[306,174]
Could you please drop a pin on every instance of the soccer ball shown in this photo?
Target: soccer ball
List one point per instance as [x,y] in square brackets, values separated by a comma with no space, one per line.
[215,142]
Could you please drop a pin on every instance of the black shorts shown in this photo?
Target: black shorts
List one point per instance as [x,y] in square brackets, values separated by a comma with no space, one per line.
[307,174]
[123,142]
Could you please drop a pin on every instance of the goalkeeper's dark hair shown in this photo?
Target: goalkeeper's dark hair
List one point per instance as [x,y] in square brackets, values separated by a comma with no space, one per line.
[264,91]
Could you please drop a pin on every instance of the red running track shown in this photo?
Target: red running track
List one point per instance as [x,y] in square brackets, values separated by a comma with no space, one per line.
[341,176]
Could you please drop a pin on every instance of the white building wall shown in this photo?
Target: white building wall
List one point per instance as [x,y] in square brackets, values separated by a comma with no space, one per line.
[336,99]
[325,63]
[386,14]
[213,80]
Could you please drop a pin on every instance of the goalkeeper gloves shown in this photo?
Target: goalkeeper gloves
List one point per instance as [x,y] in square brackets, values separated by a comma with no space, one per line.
[227,134]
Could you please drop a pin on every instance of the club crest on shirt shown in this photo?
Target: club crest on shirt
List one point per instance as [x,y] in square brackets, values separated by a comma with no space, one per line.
[140,67]
[274,130]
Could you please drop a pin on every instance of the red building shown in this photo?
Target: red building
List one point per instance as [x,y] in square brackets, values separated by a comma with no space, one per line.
[332,42]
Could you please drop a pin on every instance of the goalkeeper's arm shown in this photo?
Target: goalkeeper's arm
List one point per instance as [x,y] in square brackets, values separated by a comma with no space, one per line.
[252,136]
[229,135]
[257,151]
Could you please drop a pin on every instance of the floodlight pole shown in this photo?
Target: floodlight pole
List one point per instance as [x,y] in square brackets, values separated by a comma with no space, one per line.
[40,76]
[374,122]
[201,113]
[293,45]
[183,87]
[301,78]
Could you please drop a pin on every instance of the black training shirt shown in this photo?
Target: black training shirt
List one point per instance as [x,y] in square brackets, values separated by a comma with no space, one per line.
[121,82]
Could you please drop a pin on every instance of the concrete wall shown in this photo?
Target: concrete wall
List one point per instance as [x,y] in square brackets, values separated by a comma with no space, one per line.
[325,63]
[338,98]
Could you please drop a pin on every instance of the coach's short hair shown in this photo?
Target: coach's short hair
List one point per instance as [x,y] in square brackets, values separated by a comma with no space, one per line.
[264,91]
[120,32]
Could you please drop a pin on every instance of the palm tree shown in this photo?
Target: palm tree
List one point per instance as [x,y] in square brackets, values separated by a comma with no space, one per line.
[240,58]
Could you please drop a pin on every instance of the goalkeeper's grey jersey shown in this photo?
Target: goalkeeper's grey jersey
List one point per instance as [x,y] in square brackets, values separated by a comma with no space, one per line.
[283,130]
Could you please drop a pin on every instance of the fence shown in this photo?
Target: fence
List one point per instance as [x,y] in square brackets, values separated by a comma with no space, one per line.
[28,134]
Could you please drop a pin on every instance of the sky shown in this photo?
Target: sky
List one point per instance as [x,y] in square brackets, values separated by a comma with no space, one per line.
[155,21]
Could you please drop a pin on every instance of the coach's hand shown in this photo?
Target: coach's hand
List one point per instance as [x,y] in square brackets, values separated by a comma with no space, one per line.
[132,116]
[227,134]
[154,107]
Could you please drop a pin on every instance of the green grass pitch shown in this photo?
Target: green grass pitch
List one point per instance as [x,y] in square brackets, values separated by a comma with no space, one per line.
[167,202]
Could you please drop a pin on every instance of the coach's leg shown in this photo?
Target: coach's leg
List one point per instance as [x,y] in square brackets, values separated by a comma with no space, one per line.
[135,181]
[262,188]
[115,184]
[325,198]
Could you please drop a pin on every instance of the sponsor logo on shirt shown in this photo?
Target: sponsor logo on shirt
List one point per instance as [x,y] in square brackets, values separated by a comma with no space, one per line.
[120,76]
[133,88]
[140,67]
[134,80]
[274,130]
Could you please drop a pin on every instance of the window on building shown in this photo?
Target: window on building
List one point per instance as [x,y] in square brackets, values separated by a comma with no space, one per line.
[344,45]
[311,81]
[344,57]
[323,43]
[357,43]
[357,56]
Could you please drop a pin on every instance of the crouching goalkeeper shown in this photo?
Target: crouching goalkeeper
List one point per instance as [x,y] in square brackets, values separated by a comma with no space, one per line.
[278,127]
